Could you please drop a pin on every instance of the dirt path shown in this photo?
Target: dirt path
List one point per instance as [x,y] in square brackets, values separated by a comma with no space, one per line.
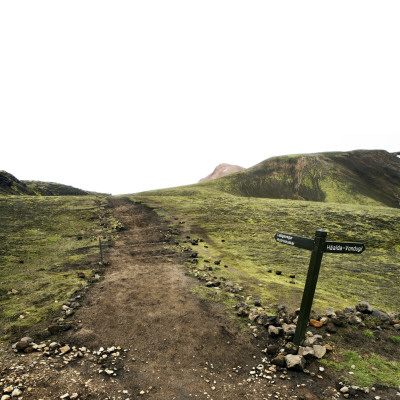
[145,304]
[173,345]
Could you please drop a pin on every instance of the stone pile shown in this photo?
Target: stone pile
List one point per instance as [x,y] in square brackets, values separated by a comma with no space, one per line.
[54,355]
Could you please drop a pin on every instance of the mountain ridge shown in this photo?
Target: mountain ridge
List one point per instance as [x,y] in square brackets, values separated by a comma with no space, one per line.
[358,177]
[10,185]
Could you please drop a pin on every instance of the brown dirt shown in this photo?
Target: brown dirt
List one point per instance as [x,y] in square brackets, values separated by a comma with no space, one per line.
[174,345]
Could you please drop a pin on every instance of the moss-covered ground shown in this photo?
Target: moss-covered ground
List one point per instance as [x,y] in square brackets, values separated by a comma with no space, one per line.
[44,243]
[240,231]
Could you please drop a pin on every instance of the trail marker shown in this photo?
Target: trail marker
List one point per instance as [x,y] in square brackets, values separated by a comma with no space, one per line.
[318,246]
[101,251]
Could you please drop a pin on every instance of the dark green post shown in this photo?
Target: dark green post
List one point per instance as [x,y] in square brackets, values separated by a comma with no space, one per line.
[101,251]
[309,288]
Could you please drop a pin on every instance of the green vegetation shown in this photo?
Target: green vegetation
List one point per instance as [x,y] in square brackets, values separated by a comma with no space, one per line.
[366,371]
[240,231]
[369,334]
[395,339]
[368,177]
[44,242]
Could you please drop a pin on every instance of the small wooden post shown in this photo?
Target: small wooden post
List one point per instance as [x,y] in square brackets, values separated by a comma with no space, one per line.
[101,251]
[309,288]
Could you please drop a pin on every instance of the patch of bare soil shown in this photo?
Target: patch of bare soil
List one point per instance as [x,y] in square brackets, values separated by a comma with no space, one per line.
[141,333]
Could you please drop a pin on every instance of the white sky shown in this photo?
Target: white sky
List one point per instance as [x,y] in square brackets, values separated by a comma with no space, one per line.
[126,96]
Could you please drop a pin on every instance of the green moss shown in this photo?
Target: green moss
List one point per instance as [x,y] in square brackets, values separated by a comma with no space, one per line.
[248,226]
[39,241]
[369,334]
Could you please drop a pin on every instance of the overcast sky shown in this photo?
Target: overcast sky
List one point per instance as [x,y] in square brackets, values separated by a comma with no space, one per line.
[126,96]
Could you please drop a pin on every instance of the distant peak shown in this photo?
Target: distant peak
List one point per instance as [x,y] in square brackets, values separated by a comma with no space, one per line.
[222,170]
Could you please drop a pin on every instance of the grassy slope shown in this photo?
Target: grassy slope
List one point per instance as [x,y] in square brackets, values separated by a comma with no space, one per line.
[369,177]
[52,236]
[248,226]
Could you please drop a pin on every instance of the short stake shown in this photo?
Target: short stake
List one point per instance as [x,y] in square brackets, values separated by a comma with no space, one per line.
[101,251]
[311,284]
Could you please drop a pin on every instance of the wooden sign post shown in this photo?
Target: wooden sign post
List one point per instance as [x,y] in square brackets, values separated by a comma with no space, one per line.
[318,246]
[101,251]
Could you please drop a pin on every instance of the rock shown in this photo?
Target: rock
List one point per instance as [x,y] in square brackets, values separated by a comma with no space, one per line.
[278,272]
[53,328]
[279,361]
[330,312]
[340,320]
[289,329]
[354,320]
[295,362]
[319,351]
[21,345]
[324,320]
[349,310]
[253,315]
[272,349]
[262,319]
[274,331]
[16,392]
[315,323]
[291,348]
[330,327]
[65,349]
[81,275]
[74,396]
[310,341]
[381,316]
[242,312]
[8,389]
[364,307]
[5,397]
[396,326]
[257,303]
[306,352]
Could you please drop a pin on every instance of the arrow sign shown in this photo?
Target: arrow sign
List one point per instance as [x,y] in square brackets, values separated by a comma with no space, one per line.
[344,247]
[292,240]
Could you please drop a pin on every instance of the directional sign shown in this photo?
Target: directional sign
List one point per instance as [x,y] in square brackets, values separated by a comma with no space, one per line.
[344,247]
[292,240]
[318,246]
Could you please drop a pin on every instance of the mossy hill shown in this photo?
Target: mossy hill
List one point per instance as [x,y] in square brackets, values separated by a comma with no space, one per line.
[367,177]
[10,185]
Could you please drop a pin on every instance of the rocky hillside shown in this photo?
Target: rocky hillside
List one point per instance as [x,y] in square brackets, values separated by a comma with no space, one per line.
[355,177]
[10,185]
[222,170]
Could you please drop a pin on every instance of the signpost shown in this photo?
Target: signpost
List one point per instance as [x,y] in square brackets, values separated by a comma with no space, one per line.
[318,246]
[101,251]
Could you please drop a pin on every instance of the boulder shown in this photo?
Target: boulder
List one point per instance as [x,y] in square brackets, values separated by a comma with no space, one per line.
[306,352]
[354,320]
[381,316]
[364,307]
[295,362]
[319,351]
[272,349]
[279,360]
[330,312]
[315,323]
[274,331]
[330,327]
[289,329]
